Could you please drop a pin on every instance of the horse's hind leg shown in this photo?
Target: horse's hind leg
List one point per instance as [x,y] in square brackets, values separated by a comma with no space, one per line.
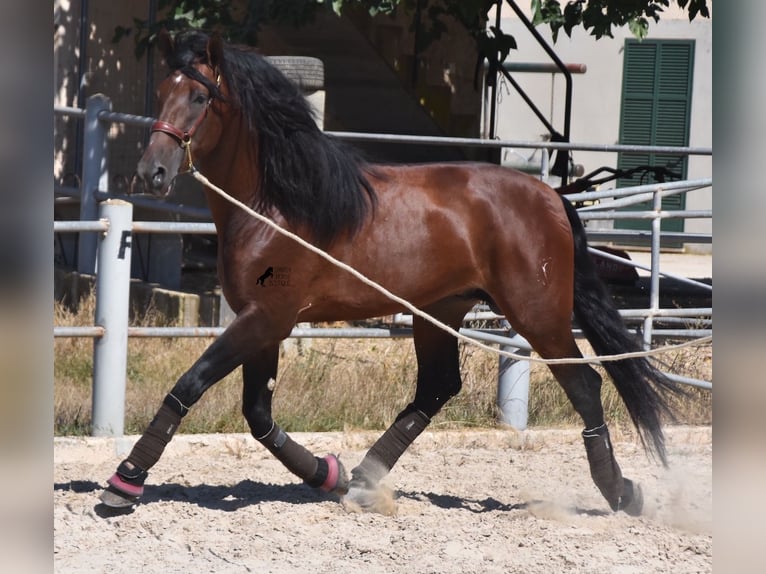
[582,385]
[541,312]
[259,377]
[438,381]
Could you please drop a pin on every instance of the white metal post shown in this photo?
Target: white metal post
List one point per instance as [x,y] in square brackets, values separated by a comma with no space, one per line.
[513,388]
[95,176]
[110,351]
[654,291]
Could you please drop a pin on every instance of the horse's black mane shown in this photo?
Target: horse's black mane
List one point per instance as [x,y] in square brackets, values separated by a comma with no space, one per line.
[311,178]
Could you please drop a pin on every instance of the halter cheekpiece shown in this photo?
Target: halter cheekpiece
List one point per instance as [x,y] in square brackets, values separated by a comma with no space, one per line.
[184,138]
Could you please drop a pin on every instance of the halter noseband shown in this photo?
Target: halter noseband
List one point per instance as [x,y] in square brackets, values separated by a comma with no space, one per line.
[184,138]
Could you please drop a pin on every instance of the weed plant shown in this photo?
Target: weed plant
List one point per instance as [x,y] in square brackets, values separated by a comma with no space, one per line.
[331,384]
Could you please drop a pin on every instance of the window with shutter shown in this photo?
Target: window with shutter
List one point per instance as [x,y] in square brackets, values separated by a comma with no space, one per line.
[656,106]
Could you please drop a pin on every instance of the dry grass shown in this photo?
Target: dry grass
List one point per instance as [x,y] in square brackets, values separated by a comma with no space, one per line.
[329,384]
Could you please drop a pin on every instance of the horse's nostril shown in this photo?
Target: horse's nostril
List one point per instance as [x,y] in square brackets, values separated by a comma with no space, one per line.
[158,179]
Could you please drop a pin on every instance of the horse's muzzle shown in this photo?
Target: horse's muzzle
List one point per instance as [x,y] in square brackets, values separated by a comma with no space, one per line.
[155,176]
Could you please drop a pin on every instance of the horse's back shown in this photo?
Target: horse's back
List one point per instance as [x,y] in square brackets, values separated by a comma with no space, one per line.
[441,230]
[455,181]
[482,196]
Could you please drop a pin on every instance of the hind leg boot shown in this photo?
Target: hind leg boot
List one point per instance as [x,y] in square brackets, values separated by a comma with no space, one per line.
[621,493]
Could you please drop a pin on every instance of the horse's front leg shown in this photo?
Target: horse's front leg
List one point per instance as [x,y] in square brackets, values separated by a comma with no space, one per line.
[225,354]
[438,381]
[259,376]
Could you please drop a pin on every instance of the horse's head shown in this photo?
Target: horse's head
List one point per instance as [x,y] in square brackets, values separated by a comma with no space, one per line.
[189,124]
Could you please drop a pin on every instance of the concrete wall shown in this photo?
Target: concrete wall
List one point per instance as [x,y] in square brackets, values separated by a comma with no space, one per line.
[107,68]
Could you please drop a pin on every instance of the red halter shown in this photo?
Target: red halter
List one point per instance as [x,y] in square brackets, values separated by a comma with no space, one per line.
[184,137]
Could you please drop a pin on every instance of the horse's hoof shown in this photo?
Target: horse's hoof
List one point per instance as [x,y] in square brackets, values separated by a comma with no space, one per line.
[364,496]
[360,494]
[113,498]
[337,477]
[632,499]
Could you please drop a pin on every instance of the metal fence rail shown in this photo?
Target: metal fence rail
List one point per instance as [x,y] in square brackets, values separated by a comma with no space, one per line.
[106,229]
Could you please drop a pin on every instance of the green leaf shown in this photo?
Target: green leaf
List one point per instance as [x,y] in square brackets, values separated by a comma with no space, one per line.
[639,27]
[572,17]
[119,33]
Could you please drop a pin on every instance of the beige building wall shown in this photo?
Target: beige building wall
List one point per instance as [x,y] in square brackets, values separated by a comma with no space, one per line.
[597,95]
[113,69]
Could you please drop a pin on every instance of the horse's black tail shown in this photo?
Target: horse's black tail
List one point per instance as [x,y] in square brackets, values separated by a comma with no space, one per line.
[643,388]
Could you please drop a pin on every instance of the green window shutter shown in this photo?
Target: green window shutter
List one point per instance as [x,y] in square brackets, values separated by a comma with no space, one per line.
[656,106]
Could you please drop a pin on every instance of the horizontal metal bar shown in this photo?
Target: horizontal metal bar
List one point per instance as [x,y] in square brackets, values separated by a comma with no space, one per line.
[64,200]
[681,322]
[156,204]
[629,234]
[75,226]
[687,214]
[325,333]
[694,312]
[538,67]
[173,227]
[446,141]
[190,227]
[664,333]
[92,331]
[127,119]
[700,316]
[475,142]
[674,312]
[516,341]
[628,200]
[114,117]
[631,263]
[68,111]
[675,323]
[541,67]
[690,381]
[313,333]
[350,332]
[688,184]
[682,333]
[175,331]
[168,207]
[66,190]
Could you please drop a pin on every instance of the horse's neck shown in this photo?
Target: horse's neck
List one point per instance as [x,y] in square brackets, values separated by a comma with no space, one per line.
[233,167]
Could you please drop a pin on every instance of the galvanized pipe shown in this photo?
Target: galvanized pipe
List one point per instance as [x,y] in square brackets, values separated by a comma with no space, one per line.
[95,176]
[687,214]
[110,351]
[491,143]
[685,185]
[654,291]
[631,263]
[513,385]
[467,142]
[77,226]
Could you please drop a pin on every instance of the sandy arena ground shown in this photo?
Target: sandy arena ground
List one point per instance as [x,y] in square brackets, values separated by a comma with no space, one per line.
[463,502]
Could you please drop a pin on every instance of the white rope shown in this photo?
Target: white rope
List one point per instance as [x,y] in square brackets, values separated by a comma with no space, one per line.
[415,311]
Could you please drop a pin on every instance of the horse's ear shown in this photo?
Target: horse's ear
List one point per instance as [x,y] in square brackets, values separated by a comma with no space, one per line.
[165,43]
[215,51]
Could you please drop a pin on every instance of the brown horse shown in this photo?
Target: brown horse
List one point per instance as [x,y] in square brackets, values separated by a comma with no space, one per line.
[442,236]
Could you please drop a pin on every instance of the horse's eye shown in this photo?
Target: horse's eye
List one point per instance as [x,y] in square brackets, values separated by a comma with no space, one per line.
[200,99]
